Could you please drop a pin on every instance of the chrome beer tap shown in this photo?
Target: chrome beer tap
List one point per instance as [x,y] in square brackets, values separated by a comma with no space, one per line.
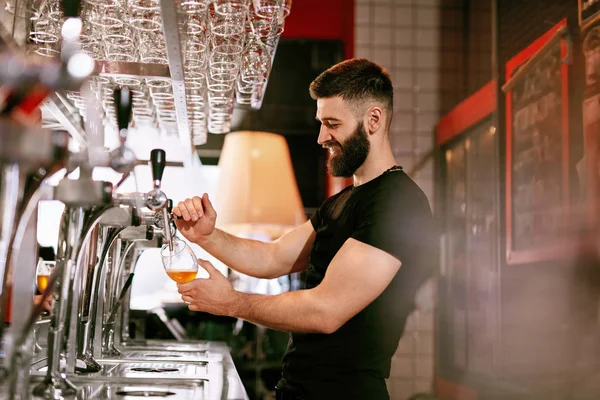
[113,222]
[77,222]
[139,246]
[86,332]
[157,199]
[86,201]
[118,283]
[27,157]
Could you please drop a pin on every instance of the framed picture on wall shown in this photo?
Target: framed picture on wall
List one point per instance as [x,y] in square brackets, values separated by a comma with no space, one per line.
[589,10]
[537,150]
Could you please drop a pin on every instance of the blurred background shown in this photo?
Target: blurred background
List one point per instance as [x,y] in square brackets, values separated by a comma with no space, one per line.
[496,117]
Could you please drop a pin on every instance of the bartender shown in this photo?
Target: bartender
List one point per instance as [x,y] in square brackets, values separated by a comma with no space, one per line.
[363,254]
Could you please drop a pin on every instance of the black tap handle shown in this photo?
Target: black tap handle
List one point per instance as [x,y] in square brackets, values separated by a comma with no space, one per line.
[170,206]
[157,163]
[71,8]
[123,105]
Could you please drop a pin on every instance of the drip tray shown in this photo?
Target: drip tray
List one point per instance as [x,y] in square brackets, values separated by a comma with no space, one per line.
[154,355]
[144,393]
[151,370]
[95,391]
[154,370]
[160,356]
[91,388]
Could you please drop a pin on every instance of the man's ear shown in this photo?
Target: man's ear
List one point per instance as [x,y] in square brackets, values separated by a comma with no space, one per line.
[373,119]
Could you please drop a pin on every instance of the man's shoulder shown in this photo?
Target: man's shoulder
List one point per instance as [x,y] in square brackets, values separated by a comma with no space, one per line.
[395,188]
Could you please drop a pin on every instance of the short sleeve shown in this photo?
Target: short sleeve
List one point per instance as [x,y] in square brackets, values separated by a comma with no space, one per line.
[315,220]
[399,223]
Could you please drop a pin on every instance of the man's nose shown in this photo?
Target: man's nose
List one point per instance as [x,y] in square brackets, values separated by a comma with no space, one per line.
[324,135]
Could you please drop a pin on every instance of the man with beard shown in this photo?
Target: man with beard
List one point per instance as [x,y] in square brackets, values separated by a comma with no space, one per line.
[363,254]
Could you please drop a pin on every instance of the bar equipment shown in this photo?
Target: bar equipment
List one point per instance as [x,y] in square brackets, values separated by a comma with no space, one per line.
[180,66]
[188,63]
[28,156]
[87,202]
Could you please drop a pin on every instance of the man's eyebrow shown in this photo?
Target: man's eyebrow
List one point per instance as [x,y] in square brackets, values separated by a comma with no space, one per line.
[328,119]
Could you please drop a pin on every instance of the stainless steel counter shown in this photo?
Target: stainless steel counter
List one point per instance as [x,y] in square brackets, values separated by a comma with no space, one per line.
[178,370]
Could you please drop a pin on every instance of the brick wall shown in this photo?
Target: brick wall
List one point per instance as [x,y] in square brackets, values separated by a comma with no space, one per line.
[438,53]
[403,36]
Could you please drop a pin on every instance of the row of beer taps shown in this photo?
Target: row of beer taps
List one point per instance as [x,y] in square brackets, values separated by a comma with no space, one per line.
[101,235]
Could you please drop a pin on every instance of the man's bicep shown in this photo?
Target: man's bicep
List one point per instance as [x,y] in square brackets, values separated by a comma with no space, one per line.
[356,276]
[293,249]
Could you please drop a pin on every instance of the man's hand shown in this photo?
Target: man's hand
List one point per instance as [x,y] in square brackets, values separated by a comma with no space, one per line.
[47,305]
[214,295]
[199,218]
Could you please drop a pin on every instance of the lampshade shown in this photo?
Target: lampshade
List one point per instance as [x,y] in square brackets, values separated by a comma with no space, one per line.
[257,190]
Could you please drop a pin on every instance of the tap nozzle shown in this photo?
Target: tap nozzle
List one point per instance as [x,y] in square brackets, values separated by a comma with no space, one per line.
[157,199]
[167,220]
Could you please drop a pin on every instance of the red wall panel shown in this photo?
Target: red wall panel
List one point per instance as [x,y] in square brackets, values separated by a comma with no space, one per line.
[322,19]
[329,20]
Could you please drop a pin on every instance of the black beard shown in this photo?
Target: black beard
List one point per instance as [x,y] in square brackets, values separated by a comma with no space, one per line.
[352,154]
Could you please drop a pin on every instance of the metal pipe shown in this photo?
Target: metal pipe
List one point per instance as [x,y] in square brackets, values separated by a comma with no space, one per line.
[134,236]
[116,255]
[124,320]
[90,301]
[25,191]
[9,197]
[75,228]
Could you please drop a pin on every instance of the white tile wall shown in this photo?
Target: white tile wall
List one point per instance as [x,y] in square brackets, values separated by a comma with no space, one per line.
[428,59]
[428,17]
[382,56]
[427,81]
[403,16]
[402,79]
[404,36]
[382,15]
[428,38]
[403,58]
[383,35]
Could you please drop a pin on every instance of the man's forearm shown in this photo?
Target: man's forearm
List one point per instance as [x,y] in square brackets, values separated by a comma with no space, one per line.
[247,256]
[296,311]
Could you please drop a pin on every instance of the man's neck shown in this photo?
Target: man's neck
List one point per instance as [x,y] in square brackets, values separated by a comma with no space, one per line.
[378,161]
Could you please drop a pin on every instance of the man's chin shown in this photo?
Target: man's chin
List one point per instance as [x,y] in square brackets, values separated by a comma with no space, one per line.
[336,173]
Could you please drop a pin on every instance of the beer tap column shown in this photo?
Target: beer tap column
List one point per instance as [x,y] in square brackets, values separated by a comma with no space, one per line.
[121,160]
[157,199]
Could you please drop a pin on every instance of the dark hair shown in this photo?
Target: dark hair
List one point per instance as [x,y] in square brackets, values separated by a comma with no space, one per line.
[355,80]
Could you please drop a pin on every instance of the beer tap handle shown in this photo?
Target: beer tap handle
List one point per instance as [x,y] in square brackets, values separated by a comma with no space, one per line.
[123,106]
[157,163]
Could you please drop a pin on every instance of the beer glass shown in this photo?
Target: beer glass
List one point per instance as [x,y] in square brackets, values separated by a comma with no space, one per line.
[180,262]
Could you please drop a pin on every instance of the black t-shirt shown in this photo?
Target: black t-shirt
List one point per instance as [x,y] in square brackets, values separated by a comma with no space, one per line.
[391,213]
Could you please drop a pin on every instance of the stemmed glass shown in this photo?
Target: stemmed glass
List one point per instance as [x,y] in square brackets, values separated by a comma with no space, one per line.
[42,273]
[42,277]
[180,262]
